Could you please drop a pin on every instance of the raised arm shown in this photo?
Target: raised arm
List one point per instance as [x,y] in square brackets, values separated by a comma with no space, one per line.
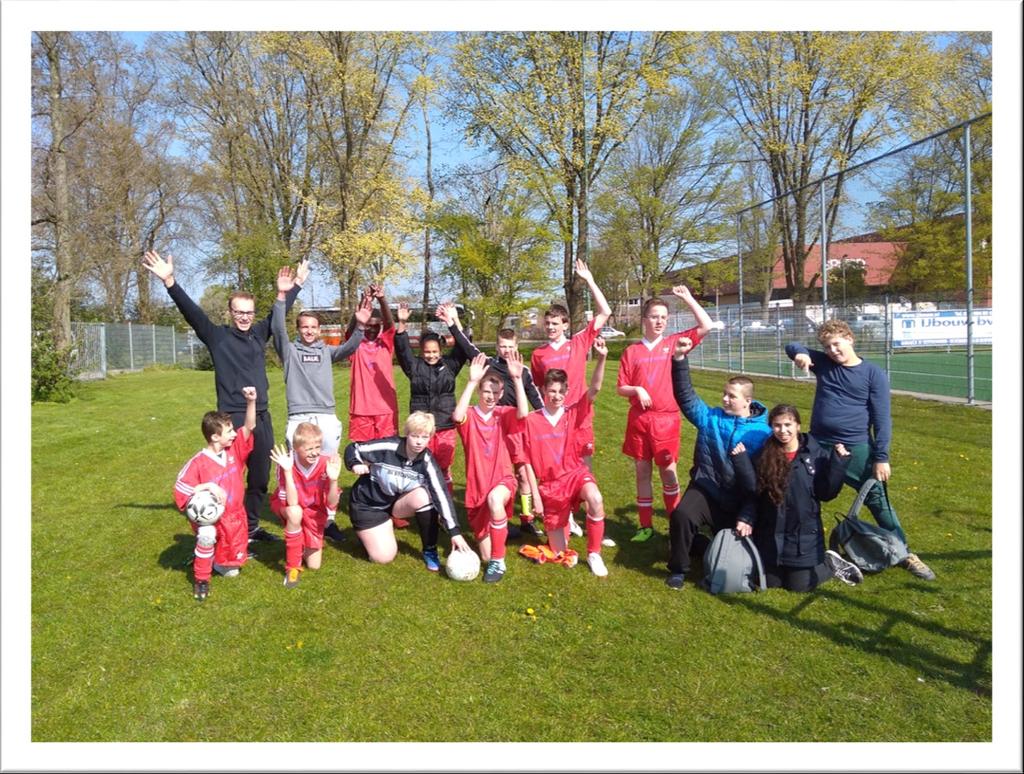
[386,320]
[278,327]
[348,347]
[694,409]
[597,378]
[403,350]
[284,460]
[190,310]
[604,311]
[468,348]
[249,393]
[289,283]
[700,315]
[516,371]
[477,369]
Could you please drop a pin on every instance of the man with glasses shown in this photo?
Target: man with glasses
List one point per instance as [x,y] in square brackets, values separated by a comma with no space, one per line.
[239,359]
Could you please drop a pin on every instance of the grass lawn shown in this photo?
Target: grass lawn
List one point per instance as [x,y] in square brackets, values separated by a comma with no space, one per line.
[121,652]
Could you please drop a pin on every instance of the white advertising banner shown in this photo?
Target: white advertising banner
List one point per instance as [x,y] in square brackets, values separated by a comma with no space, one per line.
[940,329]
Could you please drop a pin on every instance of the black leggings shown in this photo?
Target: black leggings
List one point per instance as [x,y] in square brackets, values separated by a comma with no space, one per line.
[258,465]
[694,511]
[801,579]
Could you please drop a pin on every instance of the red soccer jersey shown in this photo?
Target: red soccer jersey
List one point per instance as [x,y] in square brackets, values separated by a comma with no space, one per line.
[651,368]
[552,447]
[311,486]
[372,390]
[571,357]
[487,458]
[224,469]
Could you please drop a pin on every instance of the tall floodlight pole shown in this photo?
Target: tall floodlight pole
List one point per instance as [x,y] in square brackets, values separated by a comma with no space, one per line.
[970,265]
[824,252]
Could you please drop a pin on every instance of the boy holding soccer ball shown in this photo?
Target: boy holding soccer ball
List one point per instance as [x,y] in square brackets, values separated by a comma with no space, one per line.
[218,468]
[307,492]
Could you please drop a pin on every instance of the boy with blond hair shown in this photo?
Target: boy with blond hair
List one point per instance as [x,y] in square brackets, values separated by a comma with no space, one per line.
[852,407]
[222,546]
[307,492]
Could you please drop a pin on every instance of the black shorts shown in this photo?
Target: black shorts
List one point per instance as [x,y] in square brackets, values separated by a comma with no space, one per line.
[367,518]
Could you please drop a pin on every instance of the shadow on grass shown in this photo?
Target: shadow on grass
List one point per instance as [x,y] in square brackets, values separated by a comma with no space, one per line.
[880,641]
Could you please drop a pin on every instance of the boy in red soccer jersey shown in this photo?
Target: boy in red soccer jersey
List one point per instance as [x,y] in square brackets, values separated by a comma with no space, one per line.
[570,355]
[490,478]
[307,489]
[373,402]
[552,444]
[223,546]
[652,427]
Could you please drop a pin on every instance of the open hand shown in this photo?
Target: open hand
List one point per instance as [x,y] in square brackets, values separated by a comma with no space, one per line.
[281,456]
[334,467]
[515,364]
[478,367]
[164,269]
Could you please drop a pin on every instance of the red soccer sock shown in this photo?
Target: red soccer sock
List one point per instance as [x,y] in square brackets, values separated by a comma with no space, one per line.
[292,549]
[595,534]
[645,510]
[202,568]
[499,537]
[671,498]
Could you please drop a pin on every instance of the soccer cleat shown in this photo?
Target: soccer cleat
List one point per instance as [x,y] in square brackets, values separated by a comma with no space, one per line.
[291,577]
[597,565]
[227,572]
[201,590]
[333,531]
[917,568]
[399,523]
[847,572]
[431,559]
[261,534]
[643,534]
[675,581]
[495,571]
[575,528]
[532,529]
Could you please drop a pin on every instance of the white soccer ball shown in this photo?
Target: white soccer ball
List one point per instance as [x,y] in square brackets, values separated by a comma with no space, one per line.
[462,565]
[204,508]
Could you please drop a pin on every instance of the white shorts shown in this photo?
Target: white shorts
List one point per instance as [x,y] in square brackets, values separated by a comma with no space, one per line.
[329,425]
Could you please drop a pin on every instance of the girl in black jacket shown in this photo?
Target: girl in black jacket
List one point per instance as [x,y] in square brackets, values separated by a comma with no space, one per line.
[431,387]
[784,486]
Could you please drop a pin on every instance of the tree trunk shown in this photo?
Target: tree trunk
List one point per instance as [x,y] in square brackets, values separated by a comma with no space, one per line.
[62,211]
[426,231]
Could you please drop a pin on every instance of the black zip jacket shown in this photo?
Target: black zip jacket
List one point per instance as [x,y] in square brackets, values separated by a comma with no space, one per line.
[500,366]
[431,387]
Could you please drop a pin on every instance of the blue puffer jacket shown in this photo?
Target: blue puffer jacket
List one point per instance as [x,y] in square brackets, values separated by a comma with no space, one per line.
[717,434]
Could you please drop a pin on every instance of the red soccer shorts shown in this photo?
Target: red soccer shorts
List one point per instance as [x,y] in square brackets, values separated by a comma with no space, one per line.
[652,435]
[313,524]
[362,428]
[562,494]
[442,446]
[479,517]
[232,547]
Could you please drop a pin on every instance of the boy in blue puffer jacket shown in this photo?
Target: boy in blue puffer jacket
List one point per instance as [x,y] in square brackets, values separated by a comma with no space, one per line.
[712,497]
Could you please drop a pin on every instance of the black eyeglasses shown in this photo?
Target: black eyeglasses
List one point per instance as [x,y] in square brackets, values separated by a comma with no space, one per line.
[236,313]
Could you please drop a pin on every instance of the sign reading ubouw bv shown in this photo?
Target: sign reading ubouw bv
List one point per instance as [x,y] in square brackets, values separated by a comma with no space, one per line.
[940,329]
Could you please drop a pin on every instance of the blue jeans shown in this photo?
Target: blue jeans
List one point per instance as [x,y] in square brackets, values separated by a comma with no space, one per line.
[859,470]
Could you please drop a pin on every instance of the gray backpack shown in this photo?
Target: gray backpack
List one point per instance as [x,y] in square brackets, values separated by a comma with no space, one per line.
[732,564]
[870,547]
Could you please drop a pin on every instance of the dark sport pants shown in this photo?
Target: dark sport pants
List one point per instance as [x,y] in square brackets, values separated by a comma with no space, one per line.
[258,465]
[695,510]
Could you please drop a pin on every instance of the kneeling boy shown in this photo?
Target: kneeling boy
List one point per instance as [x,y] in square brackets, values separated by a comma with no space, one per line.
[307,494]
[223,546]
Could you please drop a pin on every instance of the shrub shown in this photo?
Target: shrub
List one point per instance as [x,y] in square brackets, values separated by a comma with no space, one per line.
[51,370]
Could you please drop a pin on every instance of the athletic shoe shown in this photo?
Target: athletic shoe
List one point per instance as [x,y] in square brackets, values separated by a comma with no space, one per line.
[400,523]
[495,571]
[675,581]
[847,572]
[643,534]
[532,529]
[201,590]
[917,568]
[575,528]
[333,531]
[291,577]
[513,532]
[597,565]
[608,542]
[431,559]
[227,572]
[261,534]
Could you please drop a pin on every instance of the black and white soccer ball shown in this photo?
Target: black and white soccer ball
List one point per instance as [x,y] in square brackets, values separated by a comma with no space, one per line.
[462,565]
[204,508]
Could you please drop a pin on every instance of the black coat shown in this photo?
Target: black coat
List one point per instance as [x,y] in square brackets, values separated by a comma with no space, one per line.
[791,534]
[431,387]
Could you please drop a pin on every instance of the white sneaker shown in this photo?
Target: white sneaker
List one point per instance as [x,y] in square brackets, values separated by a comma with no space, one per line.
[574,528]
[227,572]
[847,572]
[597,565]
[608,542]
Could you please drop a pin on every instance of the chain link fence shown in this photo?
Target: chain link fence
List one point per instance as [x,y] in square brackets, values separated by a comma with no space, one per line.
[102,348]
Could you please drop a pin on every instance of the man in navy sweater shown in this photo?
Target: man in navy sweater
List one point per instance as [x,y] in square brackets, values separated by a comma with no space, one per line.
[239,358]
[851,407]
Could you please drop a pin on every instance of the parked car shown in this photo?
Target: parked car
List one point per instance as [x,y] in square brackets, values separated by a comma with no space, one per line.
[609,332]
[868,325]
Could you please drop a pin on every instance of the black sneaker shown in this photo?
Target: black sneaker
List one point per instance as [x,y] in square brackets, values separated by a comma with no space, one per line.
[533,529]
[262,535]
[201,590]
[333,531]
[675,581]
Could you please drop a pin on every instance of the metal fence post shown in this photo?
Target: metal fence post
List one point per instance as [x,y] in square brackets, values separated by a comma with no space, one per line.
[970,266]
[174,347]
[739,286]
[153,336]
[103,350]
[887,322]
[131,349]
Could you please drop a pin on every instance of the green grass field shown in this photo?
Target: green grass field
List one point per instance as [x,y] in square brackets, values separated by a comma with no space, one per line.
[121,652]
